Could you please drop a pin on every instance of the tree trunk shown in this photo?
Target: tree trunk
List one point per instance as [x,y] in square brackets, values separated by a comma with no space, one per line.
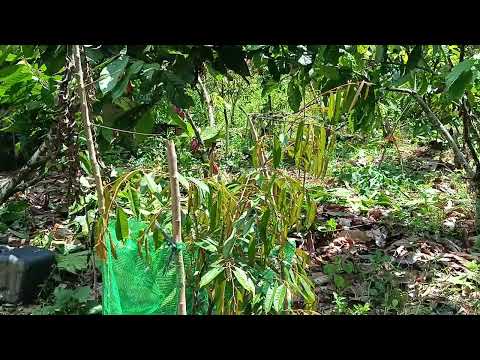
[8,188]
[476,185]
[436,121]
[208,101]
[447,135]
[177,225]
[261,156]
[88,131]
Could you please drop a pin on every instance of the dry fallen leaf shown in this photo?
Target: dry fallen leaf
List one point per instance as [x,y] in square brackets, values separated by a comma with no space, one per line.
[379,235]
[320,278]
[354,235]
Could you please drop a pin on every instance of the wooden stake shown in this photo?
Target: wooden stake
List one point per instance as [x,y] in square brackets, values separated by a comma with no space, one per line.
[177,225]
[88,130]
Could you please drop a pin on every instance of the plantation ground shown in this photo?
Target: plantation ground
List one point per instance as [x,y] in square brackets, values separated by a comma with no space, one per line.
[388,241]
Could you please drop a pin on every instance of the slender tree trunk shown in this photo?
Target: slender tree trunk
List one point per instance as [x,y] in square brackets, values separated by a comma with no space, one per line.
[476,186]
[208,101]
[88,131]
[177,225]
[227,139]
[261,155]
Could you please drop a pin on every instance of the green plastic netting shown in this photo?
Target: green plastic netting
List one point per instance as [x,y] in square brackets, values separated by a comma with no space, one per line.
[134,286]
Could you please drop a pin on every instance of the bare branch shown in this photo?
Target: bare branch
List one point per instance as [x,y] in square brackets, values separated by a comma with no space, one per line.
[436,121]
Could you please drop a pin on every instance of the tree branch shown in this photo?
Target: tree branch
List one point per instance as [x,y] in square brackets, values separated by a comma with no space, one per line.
[467,125]
[436,121]
[208,101]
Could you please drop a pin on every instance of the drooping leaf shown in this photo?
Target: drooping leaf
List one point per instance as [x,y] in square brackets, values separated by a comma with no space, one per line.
[279,298]
[210,276]
[267,305]
[152,185]
[277,152]
[307,287]
[380,51]
[134,200]
[244,280]
[251,250]
[294,95]
[263,227]
[121,224]
[228,244]
[331,105]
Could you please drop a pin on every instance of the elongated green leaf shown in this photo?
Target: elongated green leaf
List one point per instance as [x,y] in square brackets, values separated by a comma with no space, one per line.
[380,51]
[267,305]
[228,245]
[210,276]
[299,137]
[251,250]
[244,280]
[277,152]
[134,200]
[263,226]
[121,225]
[279,298]
[311,213]
[322,147]
[338,105]
[152,185]
[331,105]
[307,286]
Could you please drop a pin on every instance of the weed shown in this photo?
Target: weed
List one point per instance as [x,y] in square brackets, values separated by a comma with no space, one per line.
[77,301]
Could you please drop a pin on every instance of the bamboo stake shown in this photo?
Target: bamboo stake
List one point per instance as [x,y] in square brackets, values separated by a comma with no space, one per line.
[88,130]
[176,225]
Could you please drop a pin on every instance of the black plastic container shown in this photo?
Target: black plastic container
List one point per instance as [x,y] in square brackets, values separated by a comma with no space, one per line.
[22,272]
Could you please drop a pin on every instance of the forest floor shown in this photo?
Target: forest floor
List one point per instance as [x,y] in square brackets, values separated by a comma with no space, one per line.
[396,241]
[390,239]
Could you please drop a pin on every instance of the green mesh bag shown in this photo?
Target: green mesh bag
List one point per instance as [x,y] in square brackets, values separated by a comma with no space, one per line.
[134,286]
